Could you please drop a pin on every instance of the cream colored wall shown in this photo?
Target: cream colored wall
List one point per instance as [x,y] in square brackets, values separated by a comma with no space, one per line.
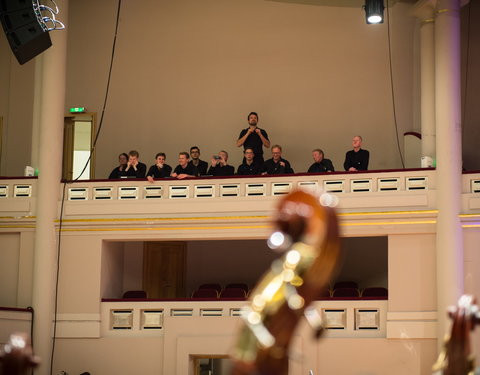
[16,108]
[372,356]
[411,273]
[376,357]
[188,72]
[133,266]
[25,268]
[9,254]
[141,355]
[112,266]
[16,268]
[471,239]
[80,274]
[5,60]
[18,125]
[213,336]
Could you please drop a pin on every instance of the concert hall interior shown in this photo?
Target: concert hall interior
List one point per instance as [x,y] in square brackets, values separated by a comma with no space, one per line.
[162,76]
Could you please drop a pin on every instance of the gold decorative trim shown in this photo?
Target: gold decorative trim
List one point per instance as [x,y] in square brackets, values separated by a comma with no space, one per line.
[17,217]
[234,227]
[446,10]
[17,226]
[428,20]
[162,229]
[416,212]
[390,223]
[216,218]
[163,219]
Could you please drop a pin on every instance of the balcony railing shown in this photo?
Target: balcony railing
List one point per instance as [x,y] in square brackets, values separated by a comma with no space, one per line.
[391,189]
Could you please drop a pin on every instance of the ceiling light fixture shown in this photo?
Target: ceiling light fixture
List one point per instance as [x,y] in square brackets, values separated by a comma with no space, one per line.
[374,11]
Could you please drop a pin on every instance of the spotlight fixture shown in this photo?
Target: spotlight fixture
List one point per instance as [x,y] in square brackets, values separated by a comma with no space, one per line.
[374,11]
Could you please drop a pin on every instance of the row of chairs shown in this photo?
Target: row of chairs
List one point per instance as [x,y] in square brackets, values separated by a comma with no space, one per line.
[214,291]
[227,293]
[342,289]
[209,291]
[240,290]
[135,294]
[218,287]
[374,292]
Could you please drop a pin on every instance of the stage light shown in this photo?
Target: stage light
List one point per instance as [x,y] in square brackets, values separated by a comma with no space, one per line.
[374,11]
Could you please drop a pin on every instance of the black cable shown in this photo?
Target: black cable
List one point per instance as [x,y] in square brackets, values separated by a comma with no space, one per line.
[106,92]
[32,313]
[391,85]
[54,337]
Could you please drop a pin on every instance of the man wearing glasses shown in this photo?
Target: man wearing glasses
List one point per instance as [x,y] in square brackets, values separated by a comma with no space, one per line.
[277,165]
[201,165]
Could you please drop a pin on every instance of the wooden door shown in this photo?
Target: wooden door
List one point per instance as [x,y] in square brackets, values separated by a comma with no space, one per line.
[67,168]
[71,138]
[1,143]
[164,269]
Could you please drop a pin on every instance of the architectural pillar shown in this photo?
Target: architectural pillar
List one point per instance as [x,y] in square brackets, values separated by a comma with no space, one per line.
[449,158]
[51,115]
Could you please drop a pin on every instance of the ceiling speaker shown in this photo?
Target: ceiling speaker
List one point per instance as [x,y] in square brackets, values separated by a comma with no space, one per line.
[26,34]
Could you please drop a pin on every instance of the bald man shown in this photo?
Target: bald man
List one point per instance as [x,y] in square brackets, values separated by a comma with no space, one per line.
[356,159]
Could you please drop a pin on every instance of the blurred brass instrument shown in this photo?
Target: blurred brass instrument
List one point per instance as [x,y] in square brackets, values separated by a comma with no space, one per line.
[456,357]
[307,232]
[17,357]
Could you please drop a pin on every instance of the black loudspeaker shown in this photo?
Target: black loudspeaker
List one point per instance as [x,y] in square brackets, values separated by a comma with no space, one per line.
[25,34]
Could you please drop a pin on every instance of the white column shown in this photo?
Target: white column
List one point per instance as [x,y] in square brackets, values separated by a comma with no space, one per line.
[51,114]
[449,158]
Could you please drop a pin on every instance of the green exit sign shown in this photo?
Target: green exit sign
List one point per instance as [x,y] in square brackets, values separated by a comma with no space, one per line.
[77,110]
